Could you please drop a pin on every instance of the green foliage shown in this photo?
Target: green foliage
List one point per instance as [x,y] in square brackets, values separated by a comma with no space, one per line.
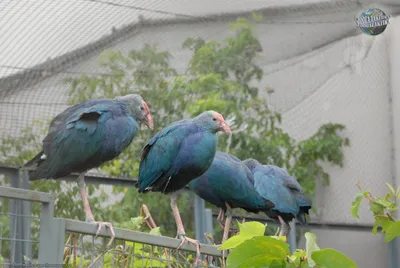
[256,250]
[219,76]
[382,209]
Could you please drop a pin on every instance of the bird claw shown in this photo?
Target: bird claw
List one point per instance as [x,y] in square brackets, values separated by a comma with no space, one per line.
[106,224]
[192,241]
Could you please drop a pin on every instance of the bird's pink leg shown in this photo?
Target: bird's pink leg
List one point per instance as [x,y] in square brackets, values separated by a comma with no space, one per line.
[285,228]
[228,222]
[180,229]
[220,220]
[88,211]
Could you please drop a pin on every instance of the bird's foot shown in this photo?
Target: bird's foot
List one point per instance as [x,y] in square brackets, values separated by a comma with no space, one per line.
[106,224]
[196,243]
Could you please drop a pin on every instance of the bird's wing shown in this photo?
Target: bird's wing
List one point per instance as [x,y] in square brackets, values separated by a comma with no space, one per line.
[72,137]
[272,189]
[159,153]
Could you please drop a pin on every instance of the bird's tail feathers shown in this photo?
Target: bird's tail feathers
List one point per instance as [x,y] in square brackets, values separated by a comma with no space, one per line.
[302,216]
[36,166]
[33,163]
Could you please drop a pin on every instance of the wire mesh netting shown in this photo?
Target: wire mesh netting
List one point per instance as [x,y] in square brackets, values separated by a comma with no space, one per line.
[87,251]
[19,232]
[316,69]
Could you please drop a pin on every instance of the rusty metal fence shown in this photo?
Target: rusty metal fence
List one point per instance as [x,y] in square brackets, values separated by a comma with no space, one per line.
[57,241]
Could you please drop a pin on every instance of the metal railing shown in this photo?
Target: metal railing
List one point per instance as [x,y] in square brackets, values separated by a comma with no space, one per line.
[65,241]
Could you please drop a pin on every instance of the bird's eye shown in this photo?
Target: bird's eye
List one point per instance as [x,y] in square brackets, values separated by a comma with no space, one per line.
[214,119]
[142,108]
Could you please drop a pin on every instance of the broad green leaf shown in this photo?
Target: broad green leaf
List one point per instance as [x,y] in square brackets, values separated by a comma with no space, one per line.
[383,202]
[382,221]
[392,231]
[331,258]
[283,238]
[376,208]
[234,241]
[355,205]
[297,256]
[311,246]
[258,251]
[391,188]
[251,228]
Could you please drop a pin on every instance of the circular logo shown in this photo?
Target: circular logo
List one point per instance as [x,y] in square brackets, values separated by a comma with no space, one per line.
[372,21]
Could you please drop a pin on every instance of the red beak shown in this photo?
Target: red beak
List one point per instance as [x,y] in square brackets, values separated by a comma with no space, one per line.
[148,119]
[223,126]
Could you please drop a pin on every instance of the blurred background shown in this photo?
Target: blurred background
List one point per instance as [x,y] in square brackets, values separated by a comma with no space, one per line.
[301,86]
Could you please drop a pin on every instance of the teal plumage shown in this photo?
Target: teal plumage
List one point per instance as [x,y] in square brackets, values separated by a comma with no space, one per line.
[176,155]
[275,184]
[230,181]
[179,153]
[85,136]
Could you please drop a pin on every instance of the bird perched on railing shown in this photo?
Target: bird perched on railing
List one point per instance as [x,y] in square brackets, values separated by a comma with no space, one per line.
[228,184]
[85,136]
[276,185]
[177,154]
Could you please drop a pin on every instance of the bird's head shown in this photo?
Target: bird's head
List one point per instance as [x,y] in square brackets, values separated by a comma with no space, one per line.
[214,121]
[251,163]
[138,108]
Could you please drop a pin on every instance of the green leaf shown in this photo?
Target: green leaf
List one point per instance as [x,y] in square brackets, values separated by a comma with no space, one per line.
[234,241]
[383,221]
[385,203]
[391,188]
[355,205]
[376,208]
[392,231]
[251,228]
[155,231]
[258,251]
[311,246]
[331,258]
[247,230]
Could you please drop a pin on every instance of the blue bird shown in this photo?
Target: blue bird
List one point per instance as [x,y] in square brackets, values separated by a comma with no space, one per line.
[276,185]
[87,135]
[228,184]
[178,154]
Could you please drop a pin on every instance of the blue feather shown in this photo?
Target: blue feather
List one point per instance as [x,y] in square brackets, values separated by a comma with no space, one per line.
[177,154]
[85,136]
[228,180]
[275,184]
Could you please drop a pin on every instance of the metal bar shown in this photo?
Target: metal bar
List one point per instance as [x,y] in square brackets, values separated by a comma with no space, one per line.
[47,246]
[209,227]
[199,219]
[140,237]
[26,221]
[15,239]
[310,225]
[292,237]
[22,194]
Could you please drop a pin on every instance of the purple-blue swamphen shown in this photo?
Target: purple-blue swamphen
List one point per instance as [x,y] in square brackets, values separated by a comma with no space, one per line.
[276,185]
[180,152]
[228,184]
[85,136]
